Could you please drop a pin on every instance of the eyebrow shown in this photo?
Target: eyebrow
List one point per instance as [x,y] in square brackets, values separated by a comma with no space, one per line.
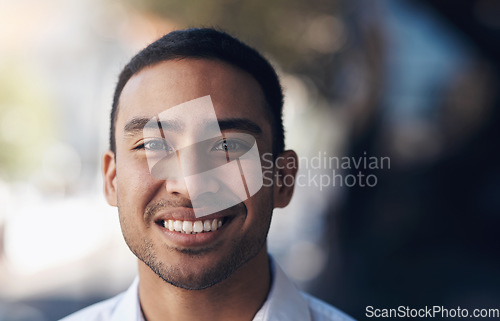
[138,124]
[241,124]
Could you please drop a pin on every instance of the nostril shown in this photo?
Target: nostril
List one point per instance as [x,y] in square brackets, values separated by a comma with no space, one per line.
[176,186]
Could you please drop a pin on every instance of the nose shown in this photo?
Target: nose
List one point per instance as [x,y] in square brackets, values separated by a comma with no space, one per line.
[177,185]
[191,179]
[200,184]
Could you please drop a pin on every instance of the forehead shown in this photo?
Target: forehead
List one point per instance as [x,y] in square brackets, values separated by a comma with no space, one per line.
[234,93]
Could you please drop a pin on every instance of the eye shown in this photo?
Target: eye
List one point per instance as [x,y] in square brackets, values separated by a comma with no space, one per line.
[228,146]
[155,145]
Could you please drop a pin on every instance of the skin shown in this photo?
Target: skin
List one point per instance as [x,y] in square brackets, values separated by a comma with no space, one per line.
[227,278]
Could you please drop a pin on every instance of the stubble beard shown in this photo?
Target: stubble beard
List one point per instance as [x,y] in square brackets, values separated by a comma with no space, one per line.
[206,277]
[182,277]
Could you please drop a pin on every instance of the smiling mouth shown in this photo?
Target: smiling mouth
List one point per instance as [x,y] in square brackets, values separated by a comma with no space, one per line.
[193,227]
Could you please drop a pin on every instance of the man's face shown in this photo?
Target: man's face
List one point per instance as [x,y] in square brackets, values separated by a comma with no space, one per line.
[148,202]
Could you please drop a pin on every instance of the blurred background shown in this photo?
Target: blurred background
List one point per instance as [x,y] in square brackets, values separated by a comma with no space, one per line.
[415,81]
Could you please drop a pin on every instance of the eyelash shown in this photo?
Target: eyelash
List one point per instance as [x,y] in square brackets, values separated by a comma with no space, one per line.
[164,144]
[227,142]
[237,145]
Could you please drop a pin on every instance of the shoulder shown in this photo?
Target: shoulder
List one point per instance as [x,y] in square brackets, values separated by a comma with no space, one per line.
[101,311]
[322,311]
[286,302]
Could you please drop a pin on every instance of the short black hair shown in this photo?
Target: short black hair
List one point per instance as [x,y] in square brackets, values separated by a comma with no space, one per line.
[207,43]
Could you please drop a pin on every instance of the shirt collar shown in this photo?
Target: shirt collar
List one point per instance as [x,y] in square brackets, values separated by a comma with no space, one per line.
[284,302]
[129,308]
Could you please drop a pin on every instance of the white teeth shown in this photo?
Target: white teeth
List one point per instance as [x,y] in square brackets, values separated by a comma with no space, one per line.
[187,227]
[197,227]
[190,227]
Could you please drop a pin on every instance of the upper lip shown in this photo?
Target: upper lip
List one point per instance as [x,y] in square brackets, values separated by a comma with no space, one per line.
[188,214]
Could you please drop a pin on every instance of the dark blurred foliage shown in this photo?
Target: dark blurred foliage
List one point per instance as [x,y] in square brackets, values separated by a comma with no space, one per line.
[428,233]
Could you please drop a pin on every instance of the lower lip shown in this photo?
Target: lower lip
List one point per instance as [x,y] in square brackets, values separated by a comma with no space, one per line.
[193,240]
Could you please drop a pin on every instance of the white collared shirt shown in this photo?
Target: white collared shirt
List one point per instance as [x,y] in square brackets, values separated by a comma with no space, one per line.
[284,303]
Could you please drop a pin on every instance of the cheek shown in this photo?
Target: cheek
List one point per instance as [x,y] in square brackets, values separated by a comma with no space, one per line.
[135,185]
[260,207]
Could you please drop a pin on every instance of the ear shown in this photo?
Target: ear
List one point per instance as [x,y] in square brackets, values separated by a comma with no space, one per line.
[109,171]
[286,166]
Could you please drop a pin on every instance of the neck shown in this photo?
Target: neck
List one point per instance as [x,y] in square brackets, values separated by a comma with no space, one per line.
[238,298]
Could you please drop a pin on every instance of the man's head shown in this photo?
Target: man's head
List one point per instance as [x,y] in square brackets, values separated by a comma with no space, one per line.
[213,45]
[157,212]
